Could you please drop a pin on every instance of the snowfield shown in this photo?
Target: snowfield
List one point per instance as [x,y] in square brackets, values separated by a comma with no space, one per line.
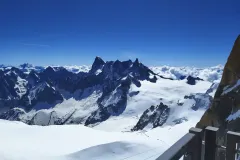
[111,139]
[170,92]
[77,142]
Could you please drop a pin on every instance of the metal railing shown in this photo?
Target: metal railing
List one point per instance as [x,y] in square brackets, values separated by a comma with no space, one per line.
[201,144]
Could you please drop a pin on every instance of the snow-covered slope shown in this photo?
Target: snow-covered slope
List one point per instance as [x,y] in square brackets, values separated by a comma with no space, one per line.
[77,142]
[171,93]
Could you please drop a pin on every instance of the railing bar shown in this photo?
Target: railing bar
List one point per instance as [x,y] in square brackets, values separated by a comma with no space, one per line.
[177,150]
[184,145]
[210,143]
[234,133]
[194,149]
[232,140]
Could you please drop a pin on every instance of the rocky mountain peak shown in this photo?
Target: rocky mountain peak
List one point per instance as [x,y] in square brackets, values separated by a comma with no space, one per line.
[15,69]
[227,97]
[32,73]
[231,71]
[192,80]
[136,62]
[49,70]
[97,64]
[154,116]
[33,77]
[25,65]
[15,72]
[97,58]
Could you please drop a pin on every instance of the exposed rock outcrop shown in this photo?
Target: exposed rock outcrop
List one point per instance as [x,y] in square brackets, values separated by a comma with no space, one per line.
[202,100]
[193,80]
[154,117]
[227,97]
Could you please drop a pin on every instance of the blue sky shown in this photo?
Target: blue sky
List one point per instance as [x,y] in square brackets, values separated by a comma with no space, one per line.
[158,32]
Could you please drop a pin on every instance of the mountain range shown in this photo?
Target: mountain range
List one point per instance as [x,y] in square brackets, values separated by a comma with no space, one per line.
[91,96]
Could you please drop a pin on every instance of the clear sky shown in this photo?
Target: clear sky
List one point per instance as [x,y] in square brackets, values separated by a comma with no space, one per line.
[158,32]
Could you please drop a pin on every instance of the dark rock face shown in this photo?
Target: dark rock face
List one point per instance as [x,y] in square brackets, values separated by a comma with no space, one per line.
[43,90]
[202,100]
[32,78]
[12,114]
[226,101]
[114,109]
[182,77]
[180,120]
[192,80]
[18,89]
[213,87]
[25,65]
[118,76]
[227,94]
[155,116]
[97,64]
[10,88]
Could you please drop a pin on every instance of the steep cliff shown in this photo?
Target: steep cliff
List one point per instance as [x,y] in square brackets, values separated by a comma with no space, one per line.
[225,108]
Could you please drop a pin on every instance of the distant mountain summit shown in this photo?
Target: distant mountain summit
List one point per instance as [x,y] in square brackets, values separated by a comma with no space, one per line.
[97,65]
[25,65]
